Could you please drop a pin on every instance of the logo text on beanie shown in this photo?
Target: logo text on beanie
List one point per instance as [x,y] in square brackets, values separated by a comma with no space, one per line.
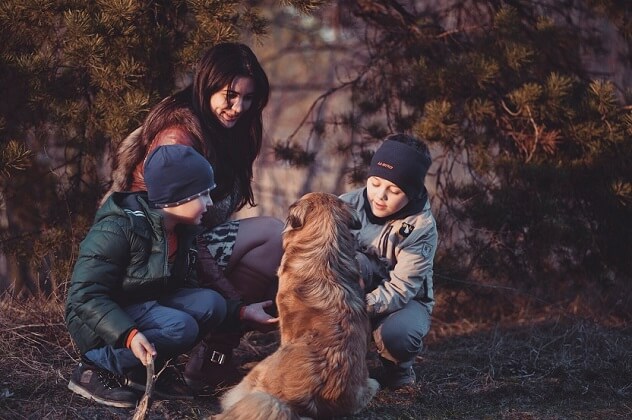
[385,165]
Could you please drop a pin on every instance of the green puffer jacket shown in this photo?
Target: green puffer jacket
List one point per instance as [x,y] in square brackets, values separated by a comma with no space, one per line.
[122,260]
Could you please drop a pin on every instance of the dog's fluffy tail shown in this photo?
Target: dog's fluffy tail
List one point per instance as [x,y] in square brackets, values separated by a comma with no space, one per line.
[258,406]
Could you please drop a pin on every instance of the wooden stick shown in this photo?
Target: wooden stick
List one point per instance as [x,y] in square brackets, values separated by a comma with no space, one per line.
[145,403]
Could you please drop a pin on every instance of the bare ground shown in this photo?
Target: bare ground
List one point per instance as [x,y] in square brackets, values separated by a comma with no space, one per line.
[540,364]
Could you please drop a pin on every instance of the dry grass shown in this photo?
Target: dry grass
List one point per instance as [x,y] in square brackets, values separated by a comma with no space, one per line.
[538,365]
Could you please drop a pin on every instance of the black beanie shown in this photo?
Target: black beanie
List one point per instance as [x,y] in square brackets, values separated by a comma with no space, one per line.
[401,164]
[176,174]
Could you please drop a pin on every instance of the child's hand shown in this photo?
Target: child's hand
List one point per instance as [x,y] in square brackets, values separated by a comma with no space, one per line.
[142,348]
[255,312]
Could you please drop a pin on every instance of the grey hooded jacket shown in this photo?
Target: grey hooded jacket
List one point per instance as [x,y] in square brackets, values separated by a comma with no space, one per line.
[401,252]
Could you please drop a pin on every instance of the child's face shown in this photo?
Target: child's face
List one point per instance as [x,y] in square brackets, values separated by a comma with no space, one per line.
[229,103]
[385,197]
[191,213]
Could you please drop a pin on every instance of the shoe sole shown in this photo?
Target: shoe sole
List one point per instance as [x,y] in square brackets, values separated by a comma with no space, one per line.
[78,389]
[158,394]
[395,387]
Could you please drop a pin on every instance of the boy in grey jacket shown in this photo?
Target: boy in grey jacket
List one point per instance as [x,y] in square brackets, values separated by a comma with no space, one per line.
[397,243]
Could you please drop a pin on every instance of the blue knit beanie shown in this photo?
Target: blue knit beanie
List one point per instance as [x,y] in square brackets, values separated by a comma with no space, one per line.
[176,174]
[401,164]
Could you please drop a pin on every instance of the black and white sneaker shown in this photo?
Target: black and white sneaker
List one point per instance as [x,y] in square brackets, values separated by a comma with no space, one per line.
[102,386]
[396,376]
[170,384]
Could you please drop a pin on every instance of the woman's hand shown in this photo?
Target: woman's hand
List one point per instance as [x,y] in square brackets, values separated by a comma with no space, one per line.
[255,312]
[142,348]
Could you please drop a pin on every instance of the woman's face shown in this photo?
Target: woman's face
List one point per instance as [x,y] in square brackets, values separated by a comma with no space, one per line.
[384,197]
[231,101]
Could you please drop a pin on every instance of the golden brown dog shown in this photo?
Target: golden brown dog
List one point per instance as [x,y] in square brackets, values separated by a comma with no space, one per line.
[320,369]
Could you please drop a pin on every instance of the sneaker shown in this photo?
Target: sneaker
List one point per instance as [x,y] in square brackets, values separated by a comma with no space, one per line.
[101,386]
[170,384]
[395,377]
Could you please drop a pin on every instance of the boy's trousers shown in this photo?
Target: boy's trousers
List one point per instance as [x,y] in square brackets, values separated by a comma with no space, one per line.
[398,335]
[172,324]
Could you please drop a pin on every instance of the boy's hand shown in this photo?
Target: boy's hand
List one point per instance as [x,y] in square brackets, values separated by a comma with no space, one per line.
[255,312]
[142,348]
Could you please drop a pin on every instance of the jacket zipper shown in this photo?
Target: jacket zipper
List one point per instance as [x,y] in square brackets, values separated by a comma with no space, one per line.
[191,261]
[384,238]
[166,250]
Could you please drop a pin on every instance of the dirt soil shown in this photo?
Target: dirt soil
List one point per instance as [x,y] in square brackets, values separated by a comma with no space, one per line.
[544,365]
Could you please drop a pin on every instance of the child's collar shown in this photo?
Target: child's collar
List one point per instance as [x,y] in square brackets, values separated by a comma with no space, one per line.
[413,207]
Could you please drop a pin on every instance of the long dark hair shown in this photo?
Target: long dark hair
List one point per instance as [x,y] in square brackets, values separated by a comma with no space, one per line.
[234,149]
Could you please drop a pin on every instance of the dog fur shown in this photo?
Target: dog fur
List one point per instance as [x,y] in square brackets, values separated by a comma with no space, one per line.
[319,370]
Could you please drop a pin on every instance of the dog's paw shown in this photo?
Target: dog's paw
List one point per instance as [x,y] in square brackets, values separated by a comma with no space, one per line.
[373,386]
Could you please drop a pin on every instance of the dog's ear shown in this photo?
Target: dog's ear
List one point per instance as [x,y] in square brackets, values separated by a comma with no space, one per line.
[292,223]
[296,216]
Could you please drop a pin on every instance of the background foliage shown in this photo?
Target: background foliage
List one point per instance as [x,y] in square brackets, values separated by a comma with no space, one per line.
[531,186]
[533,148]
[76,78]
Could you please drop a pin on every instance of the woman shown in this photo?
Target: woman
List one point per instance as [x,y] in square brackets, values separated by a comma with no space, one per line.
[219,115]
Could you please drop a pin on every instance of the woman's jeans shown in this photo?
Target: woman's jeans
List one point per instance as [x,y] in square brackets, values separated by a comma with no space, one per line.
[172,324]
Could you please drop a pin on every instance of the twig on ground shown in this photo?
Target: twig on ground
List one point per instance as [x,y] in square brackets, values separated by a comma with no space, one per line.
[21,327]
[145,402]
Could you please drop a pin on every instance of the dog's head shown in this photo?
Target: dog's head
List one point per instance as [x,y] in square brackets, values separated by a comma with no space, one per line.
[318,243]
[318,208]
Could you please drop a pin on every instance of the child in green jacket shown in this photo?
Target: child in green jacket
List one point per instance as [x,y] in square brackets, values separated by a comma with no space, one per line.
[133,294]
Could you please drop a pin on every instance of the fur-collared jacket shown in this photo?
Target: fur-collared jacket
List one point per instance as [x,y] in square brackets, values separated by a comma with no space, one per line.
[180,126]
[123,259]
[400,251]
